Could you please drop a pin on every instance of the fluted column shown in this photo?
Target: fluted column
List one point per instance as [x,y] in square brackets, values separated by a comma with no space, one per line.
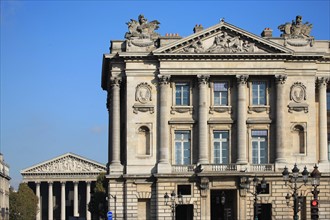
[38,217]
[50,201]
[322,87]
[163,163]
[203,146]
[241,119]
[88,199]
[114,130]
[280,128]
[63,200]
[75,199]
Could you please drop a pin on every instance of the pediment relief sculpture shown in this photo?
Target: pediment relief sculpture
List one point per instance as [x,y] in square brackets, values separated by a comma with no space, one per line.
[296,33]
[141,33]
[67,164]
[222,43]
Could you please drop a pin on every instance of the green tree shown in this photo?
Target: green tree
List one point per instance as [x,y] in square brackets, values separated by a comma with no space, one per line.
[23,204]
[98,205]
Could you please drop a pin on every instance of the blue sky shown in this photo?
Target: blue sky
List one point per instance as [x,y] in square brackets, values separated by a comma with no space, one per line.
[51,56]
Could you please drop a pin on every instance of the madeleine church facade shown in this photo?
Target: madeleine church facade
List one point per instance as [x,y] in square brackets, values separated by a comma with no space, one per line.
[198,115]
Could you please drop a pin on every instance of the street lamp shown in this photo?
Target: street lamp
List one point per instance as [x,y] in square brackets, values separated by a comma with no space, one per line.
[174,201]
[245,184]
[295,178]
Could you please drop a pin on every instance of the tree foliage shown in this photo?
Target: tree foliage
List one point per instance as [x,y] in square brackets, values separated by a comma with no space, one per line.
[23,204]
[98,205]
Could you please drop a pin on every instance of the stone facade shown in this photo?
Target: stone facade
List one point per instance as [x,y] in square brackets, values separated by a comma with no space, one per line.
[198,115]
[4,189]
[63,186]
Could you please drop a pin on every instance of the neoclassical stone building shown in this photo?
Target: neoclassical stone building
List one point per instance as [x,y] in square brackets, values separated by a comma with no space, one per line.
[63,185]
[4,188]
[199,115]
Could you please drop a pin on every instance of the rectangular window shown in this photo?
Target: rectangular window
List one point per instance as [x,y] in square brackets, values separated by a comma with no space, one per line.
[220,147]
[258,93]
[329,146]
[182,148]
[259,146]
[221,93]
[182,94]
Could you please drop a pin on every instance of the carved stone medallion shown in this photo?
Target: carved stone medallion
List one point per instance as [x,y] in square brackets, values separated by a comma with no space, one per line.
[143,93]
[298,92]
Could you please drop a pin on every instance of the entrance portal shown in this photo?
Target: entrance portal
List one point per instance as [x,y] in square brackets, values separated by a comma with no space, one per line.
[184,212]
[223,204]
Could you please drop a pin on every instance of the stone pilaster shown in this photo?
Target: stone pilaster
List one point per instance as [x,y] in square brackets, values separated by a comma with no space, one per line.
[163,165]
[202,120]
[63,200]
[241,119]
[280,128]
[50,201]
[114,142]
[322,89]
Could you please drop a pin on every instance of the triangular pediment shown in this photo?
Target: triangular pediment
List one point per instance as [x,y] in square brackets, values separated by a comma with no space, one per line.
[67,163]
[223,38]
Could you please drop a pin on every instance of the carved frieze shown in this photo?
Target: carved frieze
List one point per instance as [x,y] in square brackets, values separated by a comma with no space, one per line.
[296,33]
[298,98]
[222,43]
[67,164]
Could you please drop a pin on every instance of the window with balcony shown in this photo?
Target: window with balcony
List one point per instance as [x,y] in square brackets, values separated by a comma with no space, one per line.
[259,146]
[329,146]
[182,94]
[182,144]
[220,147]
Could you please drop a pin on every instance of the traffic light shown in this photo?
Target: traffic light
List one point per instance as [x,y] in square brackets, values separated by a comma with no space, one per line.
[314,209]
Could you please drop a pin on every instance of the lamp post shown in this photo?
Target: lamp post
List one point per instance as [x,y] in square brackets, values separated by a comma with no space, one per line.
[115,201]
[174,202]
[294,178]
[246,185]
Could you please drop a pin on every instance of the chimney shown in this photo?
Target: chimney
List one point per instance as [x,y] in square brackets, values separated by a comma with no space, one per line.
[198,28]
[267,32]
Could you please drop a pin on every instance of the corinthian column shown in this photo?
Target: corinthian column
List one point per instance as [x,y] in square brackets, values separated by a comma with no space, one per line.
[63,200]
[163,163]
[38,217]
[75,199]
[202,120]
[280,128]
[114,136]
[88,199]
[322,87]
[50,201]
[241,119]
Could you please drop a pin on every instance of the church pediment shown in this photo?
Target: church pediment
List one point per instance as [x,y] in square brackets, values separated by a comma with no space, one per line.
[223,38]
[67,163]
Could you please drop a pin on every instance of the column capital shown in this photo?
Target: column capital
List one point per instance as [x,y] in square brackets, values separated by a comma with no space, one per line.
[242,79]
[163,79]
[114,82]
[322,81]
[50,182]
[203,79]
[63,182]
[281,79]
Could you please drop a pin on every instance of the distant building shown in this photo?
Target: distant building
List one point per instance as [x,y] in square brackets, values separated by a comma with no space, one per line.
[63,186]
[4,189]
[199,115]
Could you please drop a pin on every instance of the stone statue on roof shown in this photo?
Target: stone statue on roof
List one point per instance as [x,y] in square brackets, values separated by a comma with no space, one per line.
[142,29]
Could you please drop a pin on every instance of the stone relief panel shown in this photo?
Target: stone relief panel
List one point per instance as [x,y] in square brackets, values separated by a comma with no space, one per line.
[298,98]
[296,33]
[223,42]
[67,164]
[143,95]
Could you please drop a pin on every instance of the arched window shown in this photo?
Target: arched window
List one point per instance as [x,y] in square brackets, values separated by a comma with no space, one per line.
[299,139]
[143,141]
